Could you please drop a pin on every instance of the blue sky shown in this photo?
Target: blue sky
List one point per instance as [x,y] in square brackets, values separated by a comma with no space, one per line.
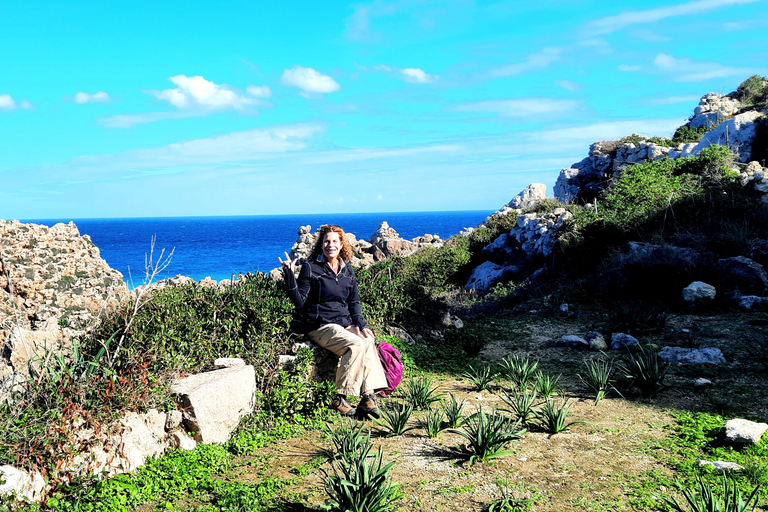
[176,108]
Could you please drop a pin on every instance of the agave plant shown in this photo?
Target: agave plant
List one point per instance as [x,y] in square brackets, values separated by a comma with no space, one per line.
[432,423]
[546,384]
[645,369]
[394,418]
[481,376]
[347,439]
[453,412]
[703,499]
[598,376]
[360,484]
[521,404]
[551,417]
[519,369]
[489,434]
[420,393]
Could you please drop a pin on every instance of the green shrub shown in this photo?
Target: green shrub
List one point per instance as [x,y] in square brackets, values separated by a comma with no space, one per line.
[403,290]
[687,135]
[551,417]
[394,418]
[753,90]
[185,328]
[420,393]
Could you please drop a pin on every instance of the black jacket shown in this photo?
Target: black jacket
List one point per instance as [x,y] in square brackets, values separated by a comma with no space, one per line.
[323,297]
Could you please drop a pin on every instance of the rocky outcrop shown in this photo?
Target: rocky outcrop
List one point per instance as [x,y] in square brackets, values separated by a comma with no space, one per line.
[712,109]
[383,244]
[737,134]
[53,282]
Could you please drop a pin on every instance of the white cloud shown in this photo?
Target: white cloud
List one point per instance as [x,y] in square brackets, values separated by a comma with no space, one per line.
[520,107]
[411,75]
[129,120]
[7,102]
[686,70]
[418,76]
[309,80]
[538,60]
[620,21]
[673,100]
[197,92]
[569,85]
[628,67]
[260,91]
[97,97]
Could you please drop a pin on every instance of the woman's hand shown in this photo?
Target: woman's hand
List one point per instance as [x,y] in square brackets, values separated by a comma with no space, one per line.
[364,333]
[288,263]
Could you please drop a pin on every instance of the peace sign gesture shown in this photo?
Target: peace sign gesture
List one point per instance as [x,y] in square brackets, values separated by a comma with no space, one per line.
[288,263]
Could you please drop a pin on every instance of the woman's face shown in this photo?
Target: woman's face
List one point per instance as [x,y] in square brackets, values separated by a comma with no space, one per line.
[331,245]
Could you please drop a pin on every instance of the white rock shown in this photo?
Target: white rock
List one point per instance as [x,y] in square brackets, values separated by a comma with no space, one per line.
[721,465]
[701,382]
[699,291]
[183,441]
[744,431]
[486,275]
[20,484]
[738,133]
[213,402]
[529,196]
[228,362]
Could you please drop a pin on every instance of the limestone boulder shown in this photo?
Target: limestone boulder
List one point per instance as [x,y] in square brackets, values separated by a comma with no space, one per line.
[621,340]
[737,133]
[739,430]
[742,274]
[486,275]
[699,292]
[691,355]
[214,402]
[529,196]
[21,485]
[572,341]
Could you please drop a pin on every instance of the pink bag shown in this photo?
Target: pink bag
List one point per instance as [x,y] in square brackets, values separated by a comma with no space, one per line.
[392,363]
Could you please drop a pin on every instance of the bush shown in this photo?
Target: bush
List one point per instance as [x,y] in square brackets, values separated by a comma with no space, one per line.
[185,328]
[687,135]
[752,91]
[405,290]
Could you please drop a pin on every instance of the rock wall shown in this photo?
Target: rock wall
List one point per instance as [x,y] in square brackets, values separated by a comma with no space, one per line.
[53,282]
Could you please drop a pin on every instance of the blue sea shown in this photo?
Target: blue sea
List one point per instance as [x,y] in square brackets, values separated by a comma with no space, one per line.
[220,247]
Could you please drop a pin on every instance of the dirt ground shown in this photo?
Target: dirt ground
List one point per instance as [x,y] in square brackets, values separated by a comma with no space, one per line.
[596,465]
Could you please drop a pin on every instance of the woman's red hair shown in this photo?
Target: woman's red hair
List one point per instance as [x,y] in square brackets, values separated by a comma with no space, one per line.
[346,251]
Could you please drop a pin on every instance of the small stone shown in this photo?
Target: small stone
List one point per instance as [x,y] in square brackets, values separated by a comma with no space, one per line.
[173,420]
[228,362]
[183,441]
[596,341]
[699,291]
[721,465]
[701,383]
[621,340]
[691,355]
[571,340]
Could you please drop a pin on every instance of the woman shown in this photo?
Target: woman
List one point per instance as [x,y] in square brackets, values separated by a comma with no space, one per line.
[328,301]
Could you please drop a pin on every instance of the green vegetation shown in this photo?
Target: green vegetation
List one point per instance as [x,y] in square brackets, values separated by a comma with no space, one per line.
[753,91]
[598,376]
[488,435]
[420,393]
[552,416]
[481,376]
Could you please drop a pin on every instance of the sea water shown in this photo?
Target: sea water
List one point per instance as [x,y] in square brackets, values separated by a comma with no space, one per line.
[220,247]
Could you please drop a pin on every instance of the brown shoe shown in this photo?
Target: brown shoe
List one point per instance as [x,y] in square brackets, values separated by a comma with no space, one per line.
[340,404]
[368,407]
